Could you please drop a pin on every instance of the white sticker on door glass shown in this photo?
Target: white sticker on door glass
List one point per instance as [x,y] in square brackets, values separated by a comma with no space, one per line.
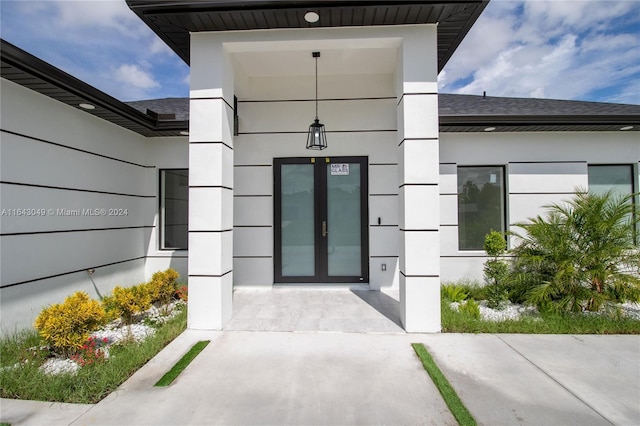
[339,169]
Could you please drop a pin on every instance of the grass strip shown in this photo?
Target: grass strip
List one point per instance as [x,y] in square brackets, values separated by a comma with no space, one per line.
[91,383]
[457,408]
[171,375]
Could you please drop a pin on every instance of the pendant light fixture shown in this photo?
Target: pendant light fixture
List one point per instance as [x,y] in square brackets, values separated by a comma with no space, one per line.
[317,138]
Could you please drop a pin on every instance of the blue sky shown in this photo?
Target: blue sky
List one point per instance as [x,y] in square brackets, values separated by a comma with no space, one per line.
[564,49]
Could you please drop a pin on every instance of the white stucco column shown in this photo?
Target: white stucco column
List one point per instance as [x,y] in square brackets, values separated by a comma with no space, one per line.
[210,185]
[418,165]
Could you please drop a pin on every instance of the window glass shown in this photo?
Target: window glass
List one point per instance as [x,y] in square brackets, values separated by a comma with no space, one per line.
[174,208]
[616,177]
[480,204]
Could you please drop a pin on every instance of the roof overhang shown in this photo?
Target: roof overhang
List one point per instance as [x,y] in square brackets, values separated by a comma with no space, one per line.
[28,71]
[538,123]
[33,73]
[173,21]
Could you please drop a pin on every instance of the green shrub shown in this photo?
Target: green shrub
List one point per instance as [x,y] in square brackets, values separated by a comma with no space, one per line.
[494,244]
[454,293]
[66,326]
[163,286]
[470,308]
[496,270]
[580,255]
[130,301]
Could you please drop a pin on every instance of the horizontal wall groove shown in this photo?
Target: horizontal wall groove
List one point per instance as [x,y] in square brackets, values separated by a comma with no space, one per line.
[541,193]
[252,165]
[415,94]
[72,272]
[547,162]
[383,164]
[304,132]
[93,191]
[213,98]
[449,193]
[384,257]
[211,187]
[418,276]
[417,139]
[418,184]
[12,234]
[472,254]
[211,143]
[375,225]
[256,195]
[383,195]
[200,231]
[210,276]
[313,100]
[448,224]
[76,149]
[418,230]
[448,164]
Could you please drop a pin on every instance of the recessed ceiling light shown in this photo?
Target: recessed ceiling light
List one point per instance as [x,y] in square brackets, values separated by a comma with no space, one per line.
[626,128]
[86,106]
[311,17]
[489,129]
[184,132]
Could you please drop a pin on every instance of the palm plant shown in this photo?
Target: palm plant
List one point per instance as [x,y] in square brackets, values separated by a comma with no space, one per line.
[581,255]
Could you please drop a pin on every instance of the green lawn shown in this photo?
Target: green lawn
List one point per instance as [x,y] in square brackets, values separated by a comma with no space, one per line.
[569,323]
[92,382]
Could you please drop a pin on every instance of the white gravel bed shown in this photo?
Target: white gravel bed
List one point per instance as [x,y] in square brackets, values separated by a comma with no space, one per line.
[119,334]
[55,366]
[114,333]
[511,311]
[631,310]
[514,311]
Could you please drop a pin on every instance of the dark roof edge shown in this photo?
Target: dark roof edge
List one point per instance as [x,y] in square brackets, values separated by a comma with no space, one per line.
[465,30]
[40,69]
[536,120]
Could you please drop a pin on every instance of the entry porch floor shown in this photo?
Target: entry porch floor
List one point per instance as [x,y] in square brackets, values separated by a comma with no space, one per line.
[309,308]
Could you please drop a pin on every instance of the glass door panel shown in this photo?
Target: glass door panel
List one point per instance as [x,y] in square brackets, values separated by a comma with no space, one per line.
[321,220]
[344,249]
[298,220]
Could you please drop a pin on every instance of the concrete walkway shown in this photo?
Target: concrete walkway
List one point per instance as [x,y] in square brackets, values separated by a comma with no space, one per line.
[345,378]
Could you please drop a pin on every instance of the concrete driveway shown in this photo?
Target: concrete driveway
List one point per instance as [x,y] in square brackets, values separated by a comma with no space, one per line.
[344,360]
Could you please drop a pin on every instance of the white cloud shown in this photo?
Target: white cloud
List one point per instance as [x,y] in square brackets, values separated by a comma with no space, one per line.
[556,49]
[135,77]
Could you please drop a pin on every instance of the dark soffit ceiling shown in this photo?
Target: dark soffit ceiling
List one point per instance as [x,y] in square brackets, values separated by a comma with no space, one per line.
[174,20]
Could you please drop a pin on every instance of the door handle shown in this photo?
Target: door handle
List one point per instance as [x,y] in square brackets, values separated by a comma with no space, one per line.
[324,228]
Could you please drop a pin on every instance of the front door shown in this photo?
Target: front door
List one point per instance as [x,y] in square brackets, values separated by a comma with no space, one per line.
[321,232]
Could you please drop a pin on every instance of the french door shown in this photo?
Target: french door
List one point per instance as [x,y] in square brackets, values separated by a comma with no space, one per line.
[321,215]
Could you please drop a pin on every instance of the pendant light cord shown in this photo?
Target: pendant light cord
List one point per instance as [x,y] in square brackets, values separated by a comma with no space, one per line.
[316,87]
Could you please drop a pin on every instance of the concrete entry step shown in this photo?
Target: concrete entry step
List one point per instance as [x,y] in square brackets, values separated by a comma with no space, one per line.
[327,309]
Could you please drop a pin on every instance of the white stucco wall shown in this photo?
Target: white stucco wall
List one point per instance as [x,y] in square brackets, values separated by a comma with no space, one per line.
[540,168]
[54,157]
[360,115]
[164,153]
[385,110]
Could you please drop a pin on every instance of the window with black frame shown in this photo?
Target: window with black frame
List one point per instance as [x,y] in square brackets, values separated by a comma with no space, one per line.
[174,209]
[616,177]
[481,204]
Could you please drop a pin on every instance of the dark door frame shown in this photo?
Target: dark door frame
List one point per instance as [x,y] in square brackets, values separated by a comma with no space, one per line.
[320,215]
